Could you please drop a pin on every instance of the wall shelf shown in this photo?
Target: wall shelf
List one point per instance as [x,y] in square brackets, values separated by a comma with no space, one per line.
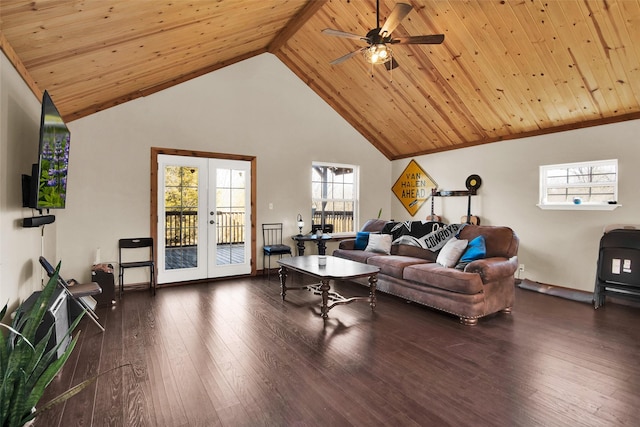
[453,193]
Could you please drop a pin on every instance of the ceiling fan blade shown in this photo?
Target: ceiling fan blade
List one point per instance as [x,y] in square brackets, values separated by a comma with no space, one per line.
[397,15]
[390,65]
[347,56]
[338,33]
[431,39]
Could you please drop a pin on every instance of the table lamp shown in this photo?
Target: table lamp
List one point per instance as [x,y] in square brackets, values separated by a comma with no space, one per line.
[300,224]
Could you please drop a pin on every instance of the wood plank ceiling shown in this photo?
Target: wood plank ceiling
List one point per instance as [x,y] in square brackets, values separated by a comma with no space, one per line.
[506,69]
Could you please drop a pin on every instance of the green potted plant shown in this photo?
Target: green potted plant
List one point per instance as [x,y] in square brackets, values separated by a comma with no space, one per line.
[26,367]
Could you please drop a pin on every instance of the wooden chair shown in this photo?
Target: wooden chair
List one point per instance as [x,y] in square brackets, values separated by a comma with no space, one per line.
[272,244]
[146,262]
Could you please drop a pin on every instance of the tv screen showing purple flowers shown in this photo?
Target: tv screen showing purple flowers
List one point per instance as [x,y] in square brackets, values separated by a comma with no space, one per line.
[54,158]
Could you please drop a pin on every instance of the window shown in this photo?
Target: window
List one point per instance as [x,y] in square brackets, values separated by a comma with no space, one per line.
[334,196]
[585,185]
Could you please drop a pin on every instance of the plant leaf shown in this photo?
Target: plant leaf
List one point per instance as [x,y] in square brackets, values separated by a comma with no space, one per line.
[72,392]
[26,367]
[52,354]
[16,411]
[36,314]
[52,370]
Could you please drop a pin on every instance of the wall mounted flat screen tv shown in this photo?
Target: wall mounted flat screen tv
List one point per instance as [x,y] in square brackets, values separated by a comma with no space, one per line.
[53,159]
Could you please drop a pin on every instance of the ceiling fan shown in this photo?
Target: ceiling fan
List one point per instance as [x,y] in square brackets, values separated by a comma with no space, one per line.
[378,38]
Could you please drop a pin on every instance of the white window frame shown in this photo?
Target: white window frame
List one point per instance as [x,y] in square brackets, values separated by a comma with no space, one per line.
[356,190]
[545,185]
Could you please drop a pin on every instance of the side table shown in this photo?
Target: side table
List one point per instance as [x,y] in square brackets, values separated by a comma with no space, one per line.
[321,241]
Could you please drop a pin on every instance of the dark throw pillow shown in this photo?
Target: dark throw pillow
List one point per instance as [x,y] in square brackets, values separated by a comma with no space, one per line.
[476,249]
[362,240]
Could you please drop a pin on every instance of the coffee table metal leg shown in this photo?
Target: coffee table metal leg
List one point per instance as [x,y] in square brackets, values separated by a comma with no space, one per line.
[324,288]
[373,280]
[283,282]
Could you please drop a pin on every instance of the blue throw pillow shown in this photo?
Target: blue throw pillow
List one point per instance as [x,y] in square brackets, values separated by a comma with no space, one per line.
[476,249]
[362,240]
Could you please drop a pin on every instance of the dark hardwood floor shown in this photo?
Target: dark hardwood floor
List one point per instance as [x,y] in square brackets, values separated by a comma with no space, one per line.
[233,353]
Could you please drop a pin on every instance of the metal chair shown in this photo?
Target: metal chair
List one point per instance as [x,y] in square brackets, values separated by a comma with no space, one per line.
[77,292]
[272,244]
[147,262]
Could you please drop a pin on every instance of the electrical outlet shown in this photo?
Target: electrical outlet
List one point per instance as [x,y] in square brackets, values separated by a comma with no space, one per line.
[521,268]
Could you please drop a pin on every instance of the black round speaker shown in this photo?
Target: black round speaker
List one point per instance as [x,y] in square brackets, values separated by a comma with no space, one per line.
[473,182]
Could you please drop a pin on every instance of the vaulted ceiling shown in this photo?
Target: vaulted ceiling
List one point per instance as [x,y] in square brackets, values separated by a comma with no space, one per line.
[506,69]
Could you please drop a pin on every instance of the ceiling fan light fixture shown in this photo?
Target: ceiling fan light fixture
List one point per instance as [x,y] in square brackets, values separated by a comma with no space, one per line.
[378,53]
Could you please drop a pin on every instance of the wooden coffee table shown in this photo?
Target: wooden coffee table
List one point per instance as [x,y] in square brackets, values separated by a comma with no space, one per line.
[335,269]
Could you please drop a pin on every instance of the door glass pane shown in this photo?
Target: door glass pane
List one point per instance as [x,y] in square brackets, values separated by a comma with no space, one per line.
[181,217]
[230,213]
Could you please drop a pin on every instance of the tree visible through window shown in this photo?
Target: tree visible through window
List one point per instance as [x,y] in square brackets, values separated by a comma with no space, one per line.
[592,182]
[181,214]
[334,190]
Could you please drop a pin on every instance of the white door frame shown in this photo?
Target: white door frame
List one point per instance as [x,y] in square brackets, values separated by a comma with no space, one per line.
[156,151]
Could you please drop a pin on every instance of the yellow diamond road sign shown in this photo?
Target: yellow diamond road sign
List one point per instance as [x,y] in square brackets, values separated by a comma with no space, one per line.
[413,187]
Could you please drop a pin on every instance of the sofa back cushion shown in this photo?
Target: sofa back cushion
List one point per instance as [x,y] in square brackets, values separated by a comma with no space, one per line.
[414,251]
[374,225]
[499,241]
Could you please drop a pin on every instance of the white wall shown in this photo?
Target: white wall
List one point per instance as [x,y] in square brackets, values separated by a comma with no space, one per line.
[20,272]
[557,247]
[257,107]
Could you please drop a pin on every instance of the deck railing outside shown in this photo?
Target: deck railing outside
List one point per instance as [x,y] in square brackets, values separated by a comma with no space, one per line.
[230,227]
[342,221]
[181,227]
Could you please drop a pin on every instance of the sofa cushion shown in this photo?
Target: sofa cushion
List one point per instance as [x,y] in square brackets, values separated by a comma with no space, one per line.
[414,251]
[362,240]
[380,243]
[354,255]
[393,265]
[433,274]
[374,225]
[451,252]
[499,241]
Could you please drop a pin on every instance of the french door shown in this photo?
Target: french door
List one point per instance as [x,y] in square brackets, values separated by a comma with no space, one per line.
[204,218]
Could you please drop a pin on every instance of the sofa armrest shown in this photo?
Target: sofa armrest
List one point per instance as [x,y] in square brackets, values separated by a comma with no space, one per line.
[491,269]
[347,244]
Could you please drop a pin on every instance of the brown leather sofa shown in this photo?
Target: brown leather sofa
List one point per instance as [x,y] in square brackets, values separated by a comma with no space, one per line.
[484,287]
